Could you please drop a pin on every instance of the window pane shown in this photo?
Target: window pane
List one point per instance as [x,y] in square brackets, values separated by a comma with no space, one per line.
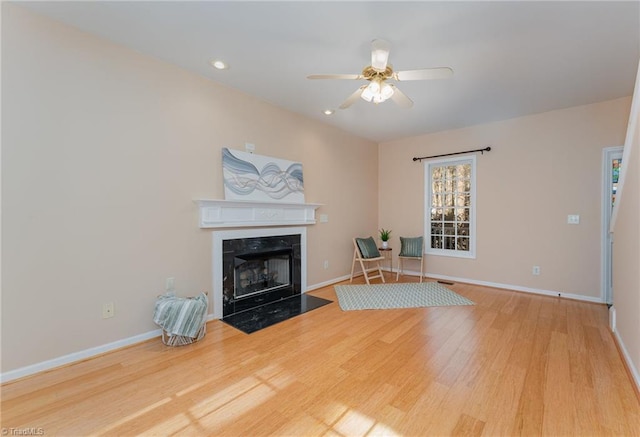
[437,200]
[437,186]
[437,173]
[462,170]
[463,244]
[463,199]
[463,229]
[436,242]
[449,229]
[462,214]
[448,200]
[449,243]
[436,214]
[449,215]
[467,185]
[447,185]
[450,172]
[436,228]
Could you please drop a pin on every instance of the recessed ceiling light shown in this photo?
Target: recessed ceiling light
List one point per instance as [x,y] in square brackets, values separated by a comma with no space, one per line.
[220,65]
[328,111]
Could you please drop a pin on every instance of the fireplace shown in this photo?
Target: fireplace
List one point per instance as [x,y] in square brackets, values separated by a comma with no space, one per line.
[260,277]
[248,249]
[259,270]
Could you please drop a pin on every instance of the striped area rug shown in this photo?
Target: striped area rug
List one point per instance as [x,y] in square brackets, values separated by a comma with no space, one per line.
[399,295]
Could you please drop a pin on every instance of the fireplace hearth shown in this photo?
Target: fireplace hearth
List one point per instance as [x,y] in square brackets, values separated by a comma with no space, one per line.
[264,316]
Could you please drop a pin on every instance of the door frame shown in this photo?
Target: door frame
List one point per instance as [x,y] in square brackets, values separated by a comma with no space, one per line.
[606,288]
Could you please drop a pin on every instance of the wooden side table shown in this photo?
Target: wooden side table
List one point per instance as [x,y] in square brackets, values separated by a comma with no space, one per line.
[388,254]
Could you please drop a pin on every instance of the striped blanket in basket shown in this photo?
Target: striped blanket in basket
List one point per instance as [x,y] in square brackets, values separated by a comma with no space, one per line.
[181,316]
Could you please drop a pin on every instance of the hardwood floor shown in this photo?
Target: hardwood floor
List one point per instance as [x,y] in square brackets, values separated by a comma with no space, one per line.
[513,364]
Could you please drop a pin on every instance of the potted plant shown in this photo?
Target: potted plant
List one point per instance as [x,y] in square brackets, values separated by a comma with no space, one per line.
[385,234]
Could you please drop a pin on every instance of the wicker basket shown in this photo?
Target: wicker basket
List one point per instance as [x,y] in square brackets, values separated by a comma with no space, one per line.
[180,340]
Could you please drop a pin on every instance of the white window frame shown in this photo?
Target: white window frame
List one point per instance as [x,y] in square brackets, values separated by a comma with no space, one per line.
[428,165]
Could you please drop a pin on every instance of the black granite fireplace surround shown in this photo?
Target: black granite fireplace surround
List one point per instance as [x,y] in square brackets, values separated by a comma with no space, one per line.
[257,271]
[262,282]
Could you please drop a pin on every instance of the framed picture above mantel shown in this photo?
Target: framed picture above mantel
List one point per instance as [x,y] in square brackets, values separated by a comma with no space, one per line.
[248,176]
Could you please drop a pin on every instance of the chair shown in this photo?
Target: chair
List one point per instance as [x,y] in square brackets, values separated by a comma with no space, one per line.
[411,248]
[366,252]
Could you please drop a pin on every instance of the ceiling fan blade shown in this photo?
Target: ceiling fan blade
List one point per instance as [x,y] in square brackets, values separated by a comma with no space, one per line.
[400,98]
[352,98]
[379,54]
[335,76]
[424,74]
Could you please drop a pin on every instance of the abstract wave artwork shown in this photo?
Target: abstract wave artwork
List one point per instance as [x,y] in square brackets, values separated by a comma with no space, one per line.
[248,176]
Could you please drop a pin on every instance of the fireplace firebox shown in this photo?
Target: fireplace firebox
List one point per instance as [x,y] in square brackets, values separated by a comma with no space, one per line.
[262,272]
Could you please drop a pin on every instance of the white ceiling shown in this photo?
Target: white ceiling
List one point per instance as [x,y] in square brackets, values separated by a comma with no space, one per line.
[509,58]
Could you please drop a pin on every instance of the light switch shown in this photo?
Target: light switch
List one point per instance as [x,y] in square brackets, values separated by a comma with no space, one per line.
[573,219]
[324,218]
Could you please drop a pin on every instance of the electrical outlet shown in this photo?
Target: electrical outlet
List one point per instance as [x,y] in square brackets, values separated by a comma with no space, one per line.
[326,264]
[170,284]
[108,310]
[535,271]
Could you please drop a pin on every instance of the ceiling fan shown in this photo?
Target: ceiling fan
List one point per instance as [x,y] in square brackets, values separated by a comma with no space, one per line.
[378,90]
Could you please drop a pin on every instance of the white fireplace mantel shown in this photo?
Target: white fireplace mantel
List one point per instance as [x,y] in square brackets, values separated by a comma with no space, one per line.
[239,213]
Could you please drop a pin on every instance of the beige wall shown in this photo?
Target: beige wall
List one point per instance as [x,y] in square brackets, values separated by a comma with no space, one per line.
[626,256]
[541,168]
[104,151]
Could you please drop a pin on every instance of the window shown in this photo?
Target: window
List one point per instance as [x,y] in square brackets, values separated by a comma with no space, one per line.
[450,207]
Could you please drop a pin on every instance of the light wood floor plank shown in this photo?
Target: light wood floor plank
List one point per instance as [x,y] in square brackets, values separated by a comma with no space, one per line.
[512,364]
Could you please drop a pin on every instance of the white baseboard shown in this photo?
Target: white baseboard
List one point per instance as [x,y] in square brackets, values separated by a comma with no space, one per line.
[98,350]
[475,282]
[92,352]
[329,282]
[76,356]
[623,349]
[612,319]
[625,354]
[515,288]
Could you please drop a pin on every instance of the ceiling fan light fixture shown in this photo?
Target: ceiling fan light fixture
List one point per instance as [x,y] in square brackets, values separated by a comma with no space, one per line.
[367,94]
[377,91]
[374,87]
[386,91]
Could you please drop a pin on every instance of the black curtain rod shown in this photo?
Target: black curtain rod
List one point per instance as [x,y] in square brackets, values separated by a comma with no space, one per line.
[486,149]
